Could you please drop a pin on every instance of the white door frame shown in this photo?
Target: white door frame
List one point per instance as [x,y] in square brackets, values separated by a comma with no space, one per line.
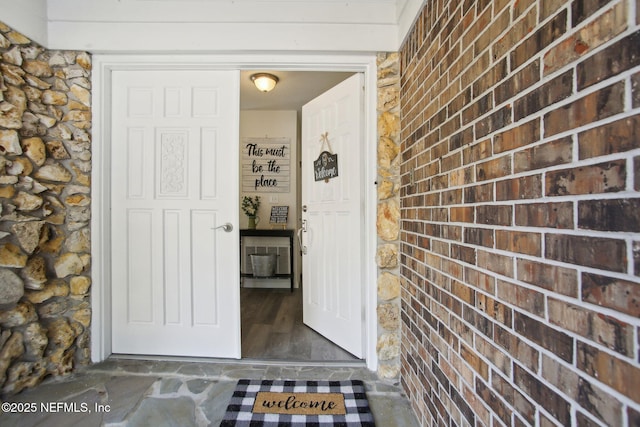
[103,65]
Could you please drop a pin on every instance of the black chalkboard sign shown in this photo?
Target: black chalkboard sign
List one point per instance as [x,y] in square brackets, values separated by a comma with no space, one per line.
[325,166]
[279,214]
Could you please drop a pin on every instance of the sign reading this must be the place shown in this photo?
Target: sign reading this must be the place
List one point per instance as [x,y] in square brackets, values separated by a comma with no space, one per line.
[266,165]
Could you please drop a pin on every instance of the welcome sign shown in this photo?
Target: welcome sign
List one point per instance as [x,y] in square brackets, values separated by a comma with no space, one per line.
[299,403]
[266,165]
[325,166]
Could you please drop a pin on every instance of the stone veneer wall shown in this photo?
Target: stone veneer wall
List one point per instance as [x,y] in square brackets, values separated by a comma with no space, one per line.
[45,164]
[520,253]
[388,215]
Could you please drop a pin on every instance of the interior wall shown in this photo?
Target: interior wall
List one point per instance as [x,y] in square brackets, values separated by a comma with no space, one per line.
[520,196]
[273,124]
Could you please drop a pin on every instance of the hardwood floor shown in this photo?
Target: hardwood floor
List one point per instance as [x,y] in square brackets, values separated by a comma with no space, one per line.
[272,328]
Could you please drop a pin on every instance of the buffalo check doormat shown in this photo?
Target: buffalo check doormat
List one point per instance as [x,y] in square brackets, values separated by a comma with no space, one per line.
[288,403]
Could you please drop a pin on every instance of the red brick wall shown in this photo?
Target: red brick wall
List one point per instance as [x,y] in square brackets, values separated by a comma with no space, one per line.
[521,212]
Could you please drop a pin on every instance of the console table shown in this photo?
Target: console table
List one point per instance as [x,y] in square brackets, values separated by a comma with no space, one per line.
[269,233]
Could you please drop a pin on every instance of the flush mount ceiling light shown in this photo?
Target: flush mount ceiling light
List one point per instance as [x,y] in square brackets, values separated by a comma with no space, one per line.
[265,82]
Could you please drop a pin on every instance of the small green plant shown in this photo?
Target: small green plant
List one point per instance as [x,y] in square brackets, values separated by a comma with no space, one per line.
[250,205]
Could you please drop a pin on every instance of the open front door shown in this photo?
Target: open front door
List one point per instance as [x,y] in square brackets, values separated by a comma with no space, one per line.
[332,215]
[174,166]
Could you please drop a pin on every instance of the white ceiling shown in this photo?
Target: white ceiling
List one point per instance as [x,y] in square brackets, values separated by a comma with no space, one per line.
[213,26]
[294,89]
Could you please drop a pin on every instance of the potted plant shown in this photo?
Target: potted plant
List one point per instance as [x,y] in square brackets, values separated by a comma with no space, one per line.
[250,207]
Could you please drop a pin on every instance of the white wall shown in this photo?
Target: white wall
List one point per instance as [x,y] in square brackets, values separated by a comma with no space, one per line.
[272,124]
[29,17]
[102,26]
[408,11]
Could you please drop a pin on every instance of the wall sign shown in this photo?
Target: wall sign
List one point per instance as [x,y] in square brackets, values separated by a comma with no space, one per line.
[326,166]
[279,214]
[266,165]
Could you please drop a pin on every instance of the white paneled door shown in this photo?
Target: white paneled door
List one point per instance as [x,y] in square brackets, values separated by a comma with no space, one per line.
[333,215]
[174,174]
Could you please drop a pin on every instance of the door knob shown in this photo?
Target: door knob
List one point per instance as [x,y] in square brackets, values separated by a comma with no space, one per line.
[228,227]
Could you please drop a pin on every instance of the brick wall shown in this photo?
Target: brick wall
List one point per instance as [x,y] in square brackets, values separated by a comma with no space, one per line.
[520,201]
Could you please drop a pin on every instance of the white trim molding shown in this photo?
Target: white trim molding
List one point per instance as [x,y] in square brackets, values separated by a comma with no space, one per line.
[103,65]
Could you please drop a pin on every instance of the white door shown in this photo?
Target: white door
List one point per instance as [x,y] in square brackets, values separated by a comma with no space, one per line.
[174,175]
[333,216]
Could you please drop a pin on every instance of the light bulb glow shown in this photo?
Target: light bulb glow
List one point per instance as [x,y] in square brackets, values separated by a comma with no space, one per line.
[264,82]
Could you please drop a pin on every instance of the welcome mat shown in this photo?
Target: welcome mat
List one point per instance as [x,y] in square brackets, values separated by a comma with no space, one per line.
[288,403]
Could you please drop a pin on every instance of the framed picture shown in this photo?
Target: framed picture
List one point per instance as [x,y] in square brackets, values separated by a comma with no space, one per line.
[279,215]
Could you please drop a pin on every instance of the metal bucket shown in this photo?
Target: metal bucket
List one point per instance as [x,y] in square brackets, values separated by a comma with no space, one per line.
[263,265]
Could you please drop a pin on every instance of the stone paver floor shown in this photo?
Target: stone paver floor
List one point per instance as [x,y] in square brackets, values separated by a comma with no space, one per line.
[131,393]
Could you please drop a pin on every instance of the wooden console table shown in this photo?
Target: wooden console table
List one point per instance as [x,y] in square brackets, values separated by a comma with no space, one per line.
[269,233]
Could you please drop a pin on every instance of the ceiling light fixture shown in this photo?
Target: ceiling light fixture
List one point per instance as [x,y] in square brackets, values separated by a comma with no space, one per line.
[265,82]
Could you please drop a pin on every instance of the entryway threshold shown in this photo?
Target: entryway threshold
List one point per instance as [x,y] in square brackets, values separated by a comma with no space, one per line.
[243,361]
[333,363]
[230,369]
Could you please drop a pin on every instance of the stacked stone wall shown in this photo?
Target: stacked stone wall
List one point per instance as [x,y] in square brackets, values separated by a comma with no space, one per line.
[45,165]
[520,201]
[388,215]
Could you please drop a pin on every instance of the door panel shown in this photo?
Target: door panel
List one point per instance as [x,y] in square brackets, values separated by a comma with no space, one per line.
[332,265]
[174,275]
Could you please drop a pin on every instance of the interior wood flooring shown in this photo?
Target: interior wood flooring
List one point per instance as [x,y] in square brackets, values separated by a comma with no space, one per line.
[272,328]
